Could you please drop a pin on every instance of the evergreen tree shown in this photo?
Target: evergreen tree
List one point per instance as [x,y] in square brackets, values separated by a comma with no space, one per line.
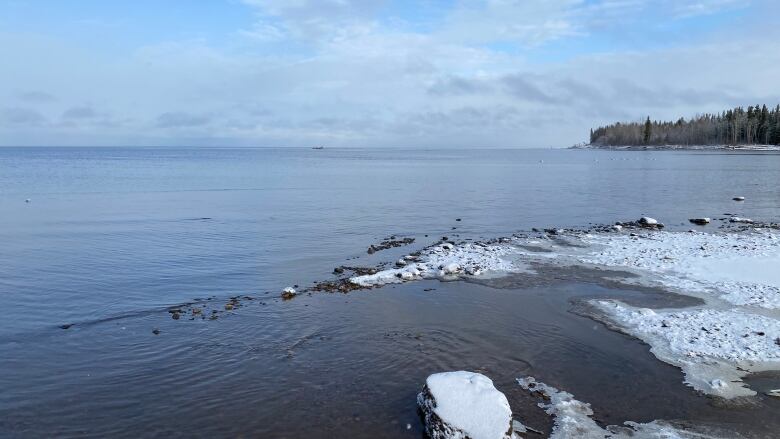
[753,125]
[648,131]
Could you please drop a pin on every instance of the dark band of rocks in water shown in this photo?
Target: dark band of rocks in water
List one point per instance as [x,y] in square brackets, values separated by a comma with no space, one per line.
[388,243]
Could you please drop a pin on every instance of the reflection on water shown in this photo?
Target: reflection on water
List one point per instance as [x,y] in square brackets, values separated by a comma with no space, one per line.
[112,238]
[341,365]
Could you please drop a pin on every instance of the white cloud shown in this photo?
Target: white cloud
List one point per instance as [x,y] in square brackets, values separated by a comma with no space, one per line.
[361,82]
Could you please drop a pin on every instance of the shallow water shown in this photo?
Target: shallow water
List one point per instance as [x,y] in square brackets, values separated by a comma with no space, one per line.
[111,237]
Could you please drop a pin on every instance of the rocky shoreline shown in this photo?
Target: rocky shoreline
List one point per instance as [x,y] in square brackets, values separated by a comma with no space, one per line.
[733,332]
[466,405]
[678,147]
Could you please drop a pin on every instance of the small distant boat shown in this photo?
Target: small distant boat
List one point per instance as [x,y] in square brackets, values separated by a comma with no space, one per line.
[318,147]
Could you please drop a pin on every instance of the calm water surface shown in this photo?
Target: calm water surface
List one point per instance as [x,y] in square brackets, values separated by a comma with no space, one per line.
[111,237]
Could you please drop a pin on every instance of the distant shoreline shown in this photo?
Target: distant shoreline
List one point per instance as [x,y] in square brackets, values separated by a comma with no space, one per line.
[680,147]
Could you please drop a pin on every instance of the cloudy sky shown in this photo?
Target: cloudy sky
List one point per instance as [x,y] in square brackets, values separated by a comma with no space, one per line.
[425,73]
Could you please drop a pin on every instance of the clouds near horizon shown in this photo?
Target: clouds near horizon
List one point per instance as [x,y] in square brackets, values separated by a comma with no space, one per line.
[466,73]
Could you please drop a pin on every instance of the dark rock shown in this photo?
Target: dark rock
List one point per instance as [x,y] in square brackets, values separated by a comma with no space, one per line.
[66,326]
[288,293]
[389,243]
[156,331]
[339,286]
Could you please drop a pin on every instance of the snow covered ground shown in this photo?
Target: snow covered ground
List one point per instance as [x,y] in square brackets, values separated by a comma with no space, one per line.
[714,348]
[740,268]
[736,332]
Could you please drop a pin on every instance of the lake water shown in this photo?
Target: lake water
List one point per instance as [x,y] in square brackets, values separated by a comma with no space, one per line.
[113,237]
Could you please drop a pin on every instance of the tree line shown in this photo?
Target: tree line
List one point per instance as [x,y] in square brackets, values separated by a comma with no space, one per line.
[756,125]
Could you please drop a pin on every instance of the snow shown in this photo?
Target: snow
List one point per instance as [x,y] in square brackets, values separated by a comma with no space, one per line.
[714,348]
[734,333]
[573,419]
[715,344]
[289,290]
[470,404]
[737,267]
[446,261]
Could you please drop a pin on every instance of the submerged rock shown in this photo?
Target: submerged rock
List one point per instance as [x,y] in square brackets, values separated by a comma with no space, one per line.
[738,198]
[464,405]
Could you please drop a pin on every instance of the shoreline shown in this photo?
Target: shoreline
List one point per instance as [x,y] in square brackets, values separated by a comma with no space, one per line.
[679,147]
[733,333]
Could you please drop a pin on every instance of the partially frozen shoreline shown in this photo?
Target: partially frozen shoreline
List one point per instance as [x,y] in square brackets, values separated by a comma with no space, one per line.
[574,419]
[735,332]
[715,349]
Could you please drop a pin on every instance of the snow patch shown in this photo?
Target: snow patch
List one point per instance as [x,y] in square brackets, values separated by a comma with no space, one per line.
[738,267]
[446,261]
[714,348]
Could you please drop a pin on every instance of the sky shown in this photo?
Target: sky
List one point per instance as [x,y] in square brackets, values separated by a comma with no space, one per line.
[373,73]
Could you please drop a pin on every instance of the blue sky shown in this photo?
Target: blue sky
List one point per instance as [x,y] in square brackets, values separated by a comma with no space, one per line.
[504,73]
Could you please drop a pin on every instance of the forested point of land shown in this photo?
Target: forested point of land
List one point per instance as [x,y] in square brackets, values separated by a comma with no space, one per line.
[756,125]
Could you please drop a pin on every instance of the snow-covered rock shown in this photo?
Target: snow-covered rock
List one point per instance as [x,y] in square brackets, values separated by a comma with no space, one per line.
[289,293]
[737,219]
[647,221]
[464,405]
[700,221]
